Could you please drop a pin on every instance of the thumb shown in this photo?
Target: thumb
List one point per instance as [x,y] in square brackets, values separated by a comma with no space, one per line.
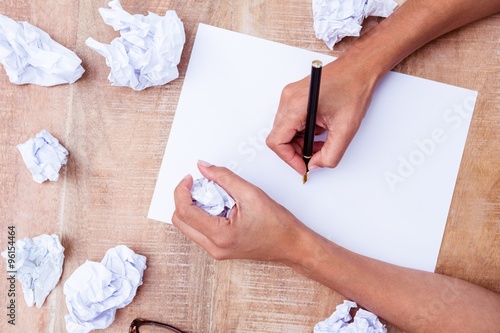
[187,182]
[182,192]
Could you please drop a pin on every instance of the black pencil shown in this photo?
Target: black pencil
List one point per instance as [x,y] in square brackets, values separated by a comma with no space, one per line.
[312,108]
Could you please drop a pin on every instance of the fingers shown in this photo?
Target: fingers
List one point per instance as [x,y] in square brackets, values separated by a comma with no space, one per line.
[257,228]
[281,141]
[210,232]
[334,147]
[235,186]
[192,233]
[190,214]
[289,121]
[327,154]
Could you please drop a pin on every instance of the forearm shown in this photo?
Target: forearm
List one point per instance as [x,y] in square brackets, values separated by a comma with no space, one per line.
[416,301]
[412,25]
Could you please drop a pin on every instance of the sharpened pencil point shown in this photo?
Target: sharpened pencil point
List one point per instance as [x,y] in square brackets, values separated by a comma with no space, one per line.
[304,177]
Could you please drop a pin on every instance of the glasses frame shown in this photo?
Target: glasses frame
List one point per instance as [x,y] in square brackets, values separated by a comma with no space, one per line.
[138,322]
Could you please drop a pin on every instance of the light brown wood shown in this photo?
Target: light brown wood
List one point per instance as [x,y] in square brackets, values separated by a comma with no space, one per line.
[116,138]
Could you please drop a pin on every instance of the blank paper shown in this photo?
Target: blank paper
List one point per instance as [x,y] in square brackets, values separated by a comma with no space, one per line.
[390,195]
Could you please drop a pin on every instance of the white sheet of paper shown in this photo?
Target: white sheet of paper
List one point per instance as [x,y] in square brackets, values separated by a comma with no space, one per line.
[389,197]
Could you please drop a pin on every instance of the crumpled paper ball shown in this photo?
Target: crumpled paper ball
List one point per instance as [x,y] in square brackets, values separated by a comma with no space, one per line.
[38,266]
[30,55]
[148,51]
[336,19]
[44,156]
[341,321]
[96,290]
[212,198]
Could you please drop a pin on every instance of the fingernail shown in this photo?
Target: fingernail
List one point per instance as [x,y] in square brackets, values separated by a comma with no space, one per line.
[188,176]
[204,163]
[313,167]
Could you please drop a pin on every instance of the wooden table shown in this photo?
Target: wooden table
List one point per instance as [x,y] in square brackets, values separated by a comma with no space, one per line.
[116,138]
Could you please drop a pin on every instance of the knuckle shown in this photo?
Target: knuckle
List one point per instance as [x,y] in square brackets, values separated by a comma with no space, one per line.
[221,175]
[254,194]
[225,177]
[270,142]
[175,219]
[332,159]
[291,99]
[331,162]
[222,242]
[218,254]
[247,198]
[288,91]
[180,213]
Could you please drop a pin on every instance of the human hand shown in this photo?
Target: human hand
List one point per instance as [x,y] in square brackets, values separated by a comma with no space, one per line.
[345,94]
[257,228]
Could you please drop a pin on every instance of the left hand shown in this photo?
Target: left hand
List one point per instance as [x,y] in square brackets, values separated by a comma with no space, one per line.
[257,228]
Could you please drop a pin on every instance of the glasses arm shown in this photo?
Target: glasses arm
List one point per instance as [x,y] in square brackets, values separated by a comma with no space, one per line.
[136,323]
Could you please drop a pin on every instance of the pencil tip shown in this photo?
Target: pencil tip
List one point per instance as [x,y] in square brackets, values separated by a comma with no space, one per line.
[304,178]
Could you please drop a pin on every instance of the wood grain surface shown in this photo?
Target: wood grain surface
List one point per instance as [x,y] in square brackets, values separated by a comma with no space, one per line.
[116,138]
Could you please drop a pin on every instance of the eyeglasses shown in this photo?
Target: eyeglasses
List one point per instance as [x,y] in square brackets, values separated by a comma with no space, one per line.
[138,322]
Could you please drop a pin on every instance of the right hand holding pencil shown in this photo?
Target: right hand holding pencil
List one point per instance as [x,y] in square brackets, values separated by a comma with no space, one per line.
[345,95]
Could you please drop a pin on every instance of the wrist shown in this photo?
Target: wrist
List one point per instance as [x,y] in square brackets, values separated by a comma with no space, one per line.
[383,47]
[366,60]
[310,252]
